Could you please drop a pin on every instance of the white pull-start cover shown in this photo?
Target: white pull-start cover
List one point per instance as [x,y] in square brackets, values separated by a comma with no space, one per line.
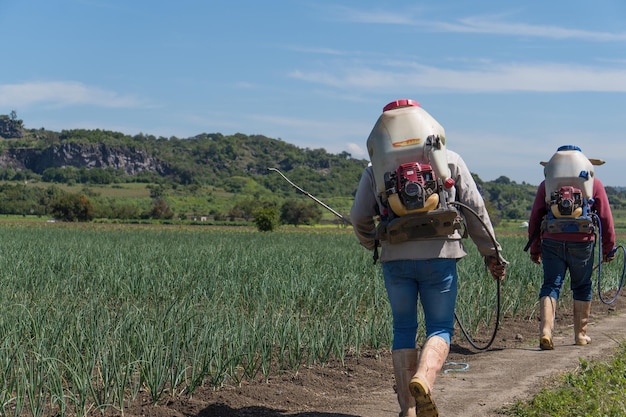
[400,136]
[569,167]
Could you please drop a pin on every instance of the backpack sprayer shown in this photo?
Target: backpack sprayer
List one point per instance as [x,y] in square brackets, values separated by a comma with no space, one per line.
[569,197]
[407,147]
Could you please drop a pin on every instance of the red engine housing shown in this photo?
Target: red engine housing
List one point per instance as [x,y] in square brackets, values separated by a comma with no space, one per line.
[414,172]
[413,182]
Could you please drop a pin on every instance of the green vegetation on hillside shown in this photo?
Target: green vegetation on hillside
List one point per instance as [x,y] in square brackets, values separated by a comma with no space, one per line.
[209,176]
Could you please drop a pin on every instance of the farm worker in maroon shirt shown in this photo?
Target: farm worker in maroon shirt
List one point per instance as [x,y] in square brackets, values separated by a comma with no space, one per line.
[570,209]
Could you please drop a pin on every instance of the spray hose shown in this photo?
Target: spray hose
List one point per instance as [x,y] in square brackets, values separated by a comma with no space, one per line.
[599,266]
[455,203]
[498,283]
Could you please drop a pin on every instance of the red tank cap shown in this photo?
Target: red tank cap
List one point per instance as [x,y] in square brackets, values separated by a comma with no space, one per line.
[404,102]
[449,183]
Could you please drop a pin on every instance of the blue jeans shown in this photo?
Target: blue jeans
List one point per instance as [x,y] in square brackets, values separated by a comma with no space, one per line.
[434,282]
[559,256]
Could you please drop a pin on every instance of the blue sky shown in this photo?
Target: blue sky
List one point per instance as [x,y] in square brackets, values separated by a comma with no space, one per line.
[509,81]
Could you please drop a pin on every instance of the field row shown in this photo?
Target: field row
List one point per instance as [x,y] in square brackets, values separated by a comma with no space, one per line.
[91,315]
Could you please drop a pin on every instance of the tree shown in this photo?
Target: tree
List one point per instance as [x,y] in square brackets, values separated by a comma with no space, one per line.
[266,219]
[157,191]
[161,210]
[299,212]
[503,179]
[244,209]
[72,207]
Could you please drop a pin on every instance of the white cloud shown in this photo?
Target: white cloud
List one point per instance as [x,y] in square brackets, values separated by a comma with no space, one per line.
[356,151]
[486,25]
[62,94]
[549,77]
[377,17]
[494,25]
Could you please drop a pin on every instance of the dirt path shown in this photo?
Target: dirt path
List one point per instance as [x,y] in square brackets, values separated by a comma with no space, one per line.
[496,378]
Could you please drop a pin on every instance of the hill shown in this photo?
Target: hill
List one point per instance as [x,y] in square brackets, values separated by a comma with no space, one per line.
[205,159]
[229,170]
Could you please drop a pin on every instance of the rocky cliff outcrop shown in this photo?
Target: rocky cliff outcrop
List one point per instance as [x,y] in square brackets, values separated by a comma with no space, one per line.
[131,161]
[11,128]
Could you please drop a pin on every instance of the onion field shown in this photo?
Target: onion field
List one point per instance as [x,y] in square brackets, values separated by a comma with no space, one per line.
[91,315]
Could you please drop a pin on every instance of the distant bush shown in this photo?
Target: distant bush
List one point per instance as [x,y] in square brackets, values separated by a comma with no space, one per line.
[72,208]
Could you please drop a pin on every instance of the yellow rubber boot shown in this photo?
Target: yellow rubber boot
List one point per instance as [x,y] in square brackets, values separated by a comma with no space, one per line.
[582,310]
[404,367]
[547,307]
[432,358]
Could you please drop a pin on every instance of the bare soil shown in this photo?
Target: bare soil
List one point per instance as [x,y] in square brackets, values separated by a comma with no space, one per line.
[479,384]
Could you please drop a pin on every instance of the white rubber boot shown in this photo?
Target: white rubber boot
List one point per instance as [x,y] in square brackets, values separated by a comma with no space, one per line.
[434,354]
[404,367]
[547,308]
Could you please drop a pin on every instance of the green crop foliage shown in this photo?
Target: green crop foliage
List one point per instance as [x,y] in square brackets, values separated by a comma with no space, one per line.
[90,315]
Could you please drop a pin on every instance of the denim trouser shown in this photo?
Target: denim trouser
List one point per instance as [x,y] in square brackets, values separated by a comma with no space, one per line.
[434,281]
[557,257]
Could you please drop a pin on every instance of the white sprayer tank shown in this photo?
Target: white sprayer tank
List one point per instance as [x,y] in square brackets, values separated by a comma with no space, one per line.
[400,136]
[569,167]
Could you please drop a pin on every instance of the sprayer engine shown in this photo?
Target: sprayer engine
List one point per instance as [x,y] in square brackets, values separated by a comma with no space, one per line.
[567,199]
[413,182]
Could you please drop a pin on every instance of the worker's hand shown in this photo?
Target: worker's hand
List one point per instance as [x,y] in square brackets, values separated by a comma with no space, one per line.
[536,258]
[609,256]
[496,267]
